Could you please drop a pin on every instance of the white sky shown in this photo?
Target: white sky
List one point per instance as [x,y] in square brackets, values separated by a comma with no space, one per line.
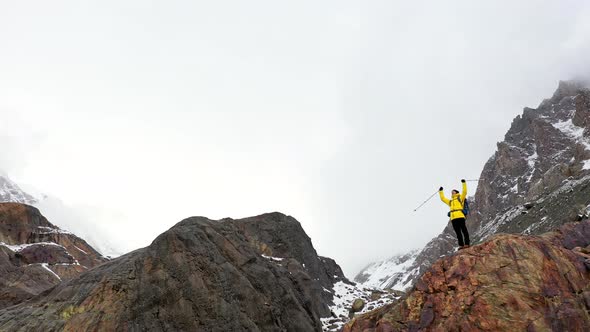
[343,114]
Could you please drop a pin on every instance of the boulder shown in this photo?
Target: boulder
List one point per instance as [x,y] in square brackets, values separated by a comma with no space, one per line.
[358,305]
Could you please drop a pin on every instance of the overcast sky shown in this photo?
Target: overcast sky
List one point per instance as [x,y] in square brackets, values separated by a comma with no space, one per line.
[343,114]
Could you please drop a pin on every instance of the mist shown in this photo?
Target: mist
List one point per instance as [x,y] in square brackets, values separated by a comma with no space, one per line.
[343,114]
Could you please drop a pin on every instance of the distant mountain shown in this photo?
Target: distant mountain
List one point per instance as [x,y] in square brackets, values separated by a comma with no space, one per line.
[11,192]
[388,273]
[61,214]
[537,180]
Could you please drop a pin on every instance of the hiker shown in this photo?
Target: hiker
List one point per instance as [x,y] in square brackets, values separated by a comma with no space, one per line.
[457,215]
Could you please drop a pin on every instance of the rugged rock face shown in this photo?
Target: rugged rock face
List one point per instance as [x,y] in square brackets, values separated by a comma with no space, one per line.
[543,148]
[35,255]
[509,283]
[279,236]
[255,274]
[536,181]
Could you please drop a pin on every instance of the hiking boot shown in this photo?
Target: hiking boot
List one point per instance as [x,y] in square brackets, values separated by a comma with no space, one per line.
[466,246]
[461,247]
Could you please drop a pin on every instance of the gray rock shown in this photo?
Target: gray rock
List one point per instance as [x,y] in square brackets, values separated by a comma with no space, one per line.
[201,275]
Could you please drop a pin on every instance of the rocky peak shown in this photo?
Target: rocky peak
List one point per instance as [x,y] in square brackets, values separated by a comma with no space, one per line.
[254,274]
[278,235]
[566,89]
[537,180]
[543,147]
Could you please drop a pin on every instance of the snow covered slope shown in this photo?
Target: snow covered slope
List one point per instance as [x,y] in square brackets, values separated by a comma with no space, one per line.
[388,273]
[344,296]
[11,192]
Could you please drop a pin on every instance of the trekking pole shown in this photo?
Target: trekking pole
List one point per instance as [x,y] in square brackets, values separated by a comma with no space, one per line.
[429,198]
[474,180]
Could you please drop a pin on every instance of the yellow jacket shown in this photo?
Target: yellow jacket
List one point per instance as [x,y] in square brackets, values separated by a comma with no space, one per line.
[454,203]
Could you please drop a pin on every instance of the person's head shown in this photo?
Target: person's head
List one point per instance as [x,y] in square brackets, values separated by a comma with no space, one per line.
[455,192]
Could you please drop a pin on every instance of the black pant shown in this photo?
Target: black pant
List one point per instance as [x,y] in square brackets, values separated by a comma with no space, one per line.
[461,230]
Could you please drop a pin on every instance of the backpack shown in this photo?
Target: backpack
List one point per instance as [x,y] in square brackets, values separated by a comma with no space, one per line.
[466,207]
[465,210]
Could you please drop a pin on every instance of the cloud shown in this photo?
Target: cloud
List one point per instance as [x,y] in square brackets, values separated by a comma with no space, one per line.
[344,114]
[17,138]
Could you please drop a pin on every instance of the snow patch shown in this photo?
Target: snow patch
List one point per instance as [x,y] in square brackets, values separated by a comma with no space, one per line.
[276,259]
[81,250]
[46,267]
[49,230]
[514,189]
[570,129]
[344,295]
[575,133]
[11,192]
[20,247]
[532,160]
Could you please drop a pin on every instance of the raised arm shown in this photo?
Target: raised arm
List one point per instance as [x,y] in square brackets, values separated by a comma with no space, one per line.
[464,193]
[442,196]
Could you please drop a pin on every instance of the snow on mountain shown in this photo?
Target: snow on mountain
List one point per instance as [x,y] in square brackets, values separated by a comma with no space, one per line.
[11,192]
[344,296]
[63,216]
[80,222]
[537,180]
[388,273]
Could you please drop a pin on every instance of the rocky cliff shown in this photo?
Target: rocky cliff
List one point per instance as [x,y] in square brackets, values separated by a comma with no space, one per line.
[537,180]
[508,283]
[35,255]
[254,274]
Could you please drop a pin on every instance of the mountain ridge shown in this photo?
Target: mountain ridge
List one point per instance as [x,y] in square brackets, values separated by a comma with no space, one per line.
[201,274]
[545,151]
